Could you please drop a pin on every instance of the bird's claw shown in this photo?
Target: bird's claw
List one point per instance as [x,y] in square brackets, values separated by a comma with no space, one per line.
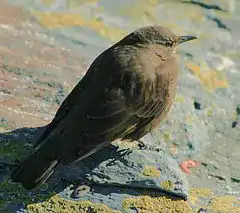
[124,152]
[143,146]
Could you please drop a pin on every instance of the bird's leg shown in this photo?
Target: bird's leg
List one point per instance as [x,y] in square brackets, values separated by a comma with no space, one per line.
[124,152]
[143,146]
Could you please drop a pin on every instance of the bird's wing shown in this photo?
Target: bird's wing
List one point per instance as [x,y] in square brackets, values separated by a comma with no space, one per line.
[116,98]
[88,84]
[63,109]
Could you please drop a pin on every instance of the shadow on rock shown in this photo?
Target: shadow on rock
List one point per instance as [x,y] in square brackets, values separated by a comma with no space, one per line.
[15,146]
[112,171]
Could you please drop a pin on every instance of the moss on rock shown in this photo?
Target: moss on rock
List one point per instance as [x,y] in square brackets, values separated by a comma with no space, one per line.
[146,204]
[168,185]
[57,204]
[151,171]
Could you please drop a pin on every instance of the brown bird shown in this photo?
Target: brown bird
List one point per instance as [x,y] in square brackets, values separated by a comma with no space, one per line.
[127,91]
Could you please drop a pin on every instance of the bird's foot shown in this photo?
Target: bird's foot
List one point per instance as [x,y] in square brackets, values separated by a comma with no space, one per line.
[124,152]
[143,146]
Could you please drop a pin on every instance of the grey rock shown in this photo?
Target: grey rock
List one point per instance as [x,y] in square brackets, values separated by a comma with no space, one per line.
[114,174]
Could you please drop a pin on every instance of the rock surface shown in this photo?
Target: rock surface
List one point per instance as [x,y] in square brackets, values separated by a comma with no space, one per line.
[45,49]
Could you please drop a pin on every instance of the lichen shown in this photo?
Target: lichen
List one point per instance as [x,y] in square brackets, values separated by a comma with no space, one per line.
[75,3]
[180,98]
[48,2]
[57,204]
[196,193]
[167,136]
[168,185]
[226,203]
[146,204]
[55,20]
[211,79]
[151,171]
[201,192]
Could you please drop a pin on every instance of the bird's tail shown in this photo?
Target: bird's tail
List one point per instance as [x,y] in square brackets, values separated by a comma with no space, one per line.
[37,168]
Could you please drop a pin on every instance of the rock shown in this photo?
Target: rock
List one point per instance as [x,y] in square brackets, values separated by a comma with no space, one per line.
[45,51]
[120,172]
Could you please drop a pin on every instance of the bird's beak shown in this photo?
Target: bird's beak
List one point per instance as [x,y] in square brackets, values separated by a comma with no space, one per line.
[186,38]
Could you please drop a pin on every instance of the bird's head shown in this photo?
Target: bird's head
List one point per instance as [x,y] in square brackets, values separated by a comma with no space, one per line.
[157,35]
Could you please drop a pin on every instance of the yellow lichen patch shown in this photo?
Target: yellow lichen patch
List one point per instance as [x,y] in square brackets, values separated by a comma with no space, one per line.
[211,79]
[56,205]
[70,3]
[57,20]
[151,171]
[189,119]
[229,204]
[180,99]
[146,204]
[166,136]
[196,193]
[74,3]
[144,11]
[168,185]
[235,115]
[48,2]
[210,111]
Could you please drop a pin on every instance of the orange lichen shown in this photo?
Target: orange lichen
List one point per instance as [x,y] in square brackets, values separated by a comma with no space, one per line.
[58,20]
[185,165]
[189,118]
[211,79]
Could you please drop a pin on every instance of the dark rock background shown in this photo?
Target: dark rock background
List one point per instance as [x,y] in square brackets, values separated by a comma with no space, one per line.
[45,49]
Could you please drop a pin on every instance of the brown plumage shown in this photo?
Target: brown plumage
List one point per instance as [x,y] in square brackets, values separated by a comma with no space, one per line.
[127,91]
